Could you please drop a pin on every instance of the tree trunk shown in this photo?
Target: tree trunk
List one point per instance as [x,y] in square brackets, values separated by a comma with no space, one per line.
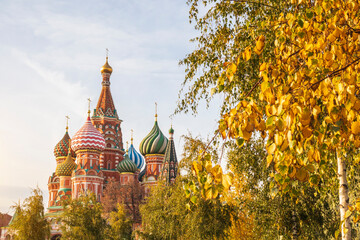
[343,197]
[295,226]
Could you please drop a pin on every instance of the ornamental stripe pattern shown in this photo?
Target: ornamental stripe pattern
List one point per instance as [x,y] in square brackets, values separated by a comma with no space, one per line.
[154,143]
[88,137]
[66,168]
[61,149]
[127,165]
[136,157]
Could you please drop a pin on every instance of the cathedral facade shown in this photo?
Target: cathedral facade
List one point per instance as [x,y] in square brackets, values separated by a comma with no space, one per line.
[95,155]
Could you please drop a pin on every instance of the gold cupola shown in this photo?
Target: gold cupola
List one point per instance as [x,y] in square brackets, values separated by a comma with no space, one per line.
[106,68]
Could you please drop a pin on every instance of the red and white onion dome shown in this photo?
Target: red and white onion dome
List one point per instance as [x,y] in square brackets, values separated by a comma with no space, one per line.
[88,137]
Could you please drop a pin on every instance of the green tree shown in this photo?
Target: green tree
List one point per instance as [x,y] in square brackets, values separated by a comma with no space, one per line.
[312,215]
[120,224]
[226,29]
[29,221]
[82,219]
[170,214]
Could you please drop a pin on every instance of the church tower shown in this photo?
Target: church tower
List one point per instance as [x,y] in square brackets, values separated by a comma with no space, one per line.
[170,168]
[153,148]
[106,120]
[88,143]
[61,151]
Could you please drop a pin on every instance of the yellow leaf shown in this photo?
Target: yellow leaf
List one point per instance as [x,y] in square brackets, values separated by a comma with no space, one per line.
[271,148]
[301,174]
[247,54]
[246,135]
[226,181]
[307,132]
[278,139]
[331,38]
[355,128]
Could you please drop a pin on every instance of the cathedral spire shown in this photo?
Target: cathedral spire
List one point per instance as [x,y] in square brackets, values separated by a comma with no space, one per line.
[170,169]
[105,106]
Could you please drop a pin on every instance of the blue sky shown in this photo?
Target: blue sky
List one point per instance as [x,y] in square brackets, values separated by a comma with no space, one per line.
[51,53]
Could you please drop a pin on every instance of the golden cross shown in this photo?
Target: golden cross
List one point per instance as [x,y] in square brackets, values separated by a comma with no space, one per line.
[67,122]
[132,136]
[127,145]
[89,106]
[155,111]
[107,53]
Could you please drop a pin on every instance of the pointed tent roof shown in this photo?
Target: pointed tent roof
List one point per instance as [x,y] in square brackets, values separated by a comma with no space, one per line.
[170,168]
[105,105]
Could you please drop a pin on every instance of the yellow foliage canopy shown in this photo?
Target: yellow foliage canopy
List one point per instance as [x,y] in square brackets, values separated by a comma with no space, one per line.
[309,99]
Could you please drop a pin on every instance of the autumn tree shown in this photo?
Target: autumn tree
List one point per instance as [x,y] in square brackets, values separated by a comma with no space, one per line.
[130,196]
[29,221]
[181,210]
[120,224]
[312,215]
[308,105]
[292,71]
[82,219]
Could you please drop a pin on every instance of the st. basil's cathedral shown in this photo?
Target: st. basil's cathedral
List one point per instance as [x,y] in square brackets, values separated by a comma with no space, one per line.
[95,156]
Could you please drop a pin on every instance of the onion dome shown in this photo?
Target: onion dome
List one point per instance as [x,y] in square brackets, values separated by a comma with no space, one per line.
[61,149]
[88,137]
[142,174]
[154,143]
[65,168]
[136,157]
[126,165]
[106,68]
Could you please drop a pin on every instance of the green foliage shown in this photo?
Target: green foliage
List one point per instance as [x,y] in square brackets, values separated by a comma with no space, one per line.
[29,221]
[226,29]
[312,215]
[167,215]
[120,224]
[82,219]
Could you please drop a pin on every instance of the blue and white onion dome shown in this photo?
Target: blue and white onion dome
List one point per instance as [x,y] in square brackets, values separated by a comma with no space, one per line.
[136,157]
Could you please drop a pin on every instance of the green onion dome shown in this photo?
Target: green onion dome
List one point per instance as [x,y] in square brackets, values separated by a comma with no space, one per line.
[154,143]
[126,165]
[61,149]
[65,168]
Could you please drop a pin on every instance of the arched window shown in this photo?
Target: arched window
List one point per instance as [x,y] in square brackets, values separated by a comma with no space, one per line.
[109,165]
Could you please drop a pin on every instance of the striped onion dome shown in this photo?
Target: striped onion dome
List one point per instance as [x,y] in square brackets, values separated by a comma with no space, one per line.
[61,149]
[154,143]
[126,165]
[88,137]
[65,168]
[136,157]
[142,174]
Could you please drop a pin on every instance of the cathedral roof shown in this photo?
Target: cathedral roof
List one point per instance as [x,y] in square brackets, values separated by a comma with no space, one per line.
[154,143]
[65,168]
[61,149]
[170,168]
[126,165]
[136,157]
[88,137]
[105,106]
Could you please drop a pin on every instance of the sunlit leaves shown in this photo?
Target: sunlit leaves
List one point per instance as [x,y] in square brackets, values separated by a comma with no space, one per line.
[309,99]
[210,182]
